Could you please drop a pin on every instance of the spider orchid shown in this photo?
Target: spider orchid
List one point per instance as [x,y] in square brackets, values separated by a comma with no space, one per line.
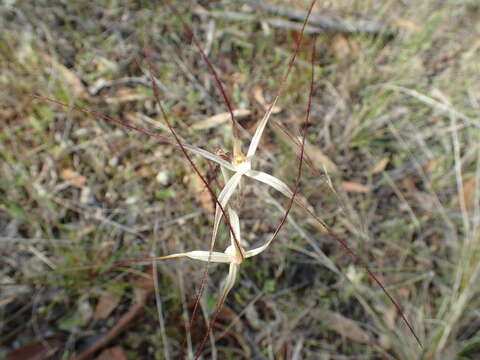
[241,164]
[234,170]
[231,255]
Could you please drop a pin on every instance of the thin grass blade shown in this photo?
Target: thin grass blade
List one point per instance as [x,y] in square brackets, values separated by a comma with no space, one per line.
[261,127]
[196,150]
[227,287]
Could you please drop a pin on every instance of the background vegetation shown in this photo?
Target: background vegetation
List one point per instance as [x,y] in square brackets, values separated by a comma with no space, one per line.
[395,120]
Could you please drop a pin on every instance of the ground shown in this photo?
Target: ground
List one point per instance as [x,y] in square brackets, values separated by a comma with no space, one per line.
[394,126]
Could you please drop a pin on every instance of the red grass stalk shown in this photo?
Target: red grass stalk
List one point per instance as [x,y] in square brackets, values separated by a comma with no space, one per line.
[362,262]
[166,141]
[294,140]
[235,134]
[302,148]
[299,171]
[94,113]
[202,178]
[210,66]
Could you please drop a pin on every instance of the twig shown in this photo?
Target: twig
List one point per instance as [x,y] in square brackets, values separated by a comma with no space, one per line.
[101,84]
[326,23]
[292,25]
[125,321]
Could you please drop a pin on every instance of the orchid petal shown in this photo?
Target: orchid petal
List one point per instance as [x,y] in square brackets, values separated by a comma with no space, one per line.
[272,181]
[208,155]
[213,256]
[166,257]
[235,222]
[230,281]
[208,256]
[258,250]
[223,198]
[258,133]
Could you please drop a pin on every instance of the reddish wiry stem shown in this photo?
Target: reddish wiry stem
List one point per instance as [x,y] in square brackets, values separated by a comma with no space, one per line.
[207,185]
[212,70]
[302,149]
[356,258]
[295,141]
[94,113]
[299,171]
[163,139]
[235,133]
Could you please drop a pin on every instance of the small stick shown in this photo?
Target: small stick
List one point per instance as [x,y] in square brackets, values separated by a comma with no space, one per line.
[326,23]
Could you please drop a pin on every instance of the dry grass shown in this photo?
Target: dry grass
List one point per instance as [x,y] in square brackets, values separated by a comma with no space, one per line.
[399,116]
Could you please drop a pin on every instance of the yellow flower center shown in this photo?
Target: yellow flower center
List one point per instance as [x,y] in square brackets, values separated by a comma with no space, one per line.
[239,159]
[234,254]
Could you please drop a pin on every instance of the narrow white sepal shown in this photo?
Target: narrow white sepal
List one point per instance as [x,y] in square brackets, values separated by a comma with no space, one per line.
[214,256]
[257,250]
[208,155]
[261,127]
[272,181]
[235,222]
[223,198]
[230,281]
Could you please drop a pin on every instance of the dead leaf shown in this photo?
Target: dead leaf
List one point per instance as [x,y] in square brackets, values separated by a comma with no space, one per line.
[206,200]
[319,159]
[73,176]
[258,96]
[113,353]
[385,341]
[296,120]
[84,231]
[390,316]
[252,317]
[425,200]
[340,46]
[202,194]
[239,78]
[144,286]
[219,119]
[409,186]
[469,193]
[74,82]
[140,119]
[143,289]
[313,155]
[407,24]
[35,351]
[344,326]
[123,95]
[380,166]
[350,186]
[433,164]
[230,317]
[109,300]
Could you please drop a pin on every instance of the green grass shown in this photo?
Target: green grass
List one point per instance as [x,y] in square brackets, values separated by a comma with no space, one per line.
[58,238]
